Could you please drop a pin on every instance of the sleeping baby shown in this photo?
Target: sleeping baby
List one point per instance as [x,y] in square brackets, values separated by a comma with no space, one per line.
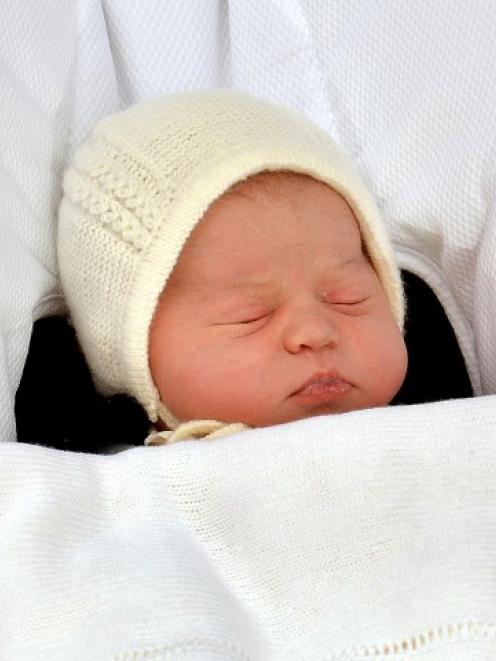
[224,264]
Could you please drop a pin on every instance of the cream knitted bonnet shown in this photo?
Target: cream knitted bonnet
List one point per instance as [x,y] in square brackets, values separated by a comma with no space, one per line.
[135,191]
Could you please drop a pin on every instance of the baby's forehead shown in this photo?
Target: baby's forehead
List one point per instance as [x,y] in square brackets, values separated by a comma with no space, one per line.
[289,190]
[272,189]
[268,220]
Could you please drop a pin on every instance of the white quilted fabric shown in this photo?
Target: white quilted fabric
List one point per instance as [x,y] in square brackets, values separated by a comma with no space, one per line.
[369,534]
[32,133]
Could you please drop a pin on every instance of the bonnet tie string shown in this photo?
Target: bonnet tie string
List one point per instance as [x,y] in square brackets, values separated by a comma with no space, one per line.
[195,429]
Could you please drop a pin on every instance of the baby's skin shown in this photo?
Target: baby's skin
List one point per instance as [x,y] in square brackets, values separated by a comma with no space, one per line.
[274,312]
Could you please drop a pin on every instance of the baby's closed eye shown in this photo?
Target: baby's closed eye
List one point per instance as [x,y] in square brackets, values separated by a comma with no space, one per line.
[348,302]
[241,318]
[252,319]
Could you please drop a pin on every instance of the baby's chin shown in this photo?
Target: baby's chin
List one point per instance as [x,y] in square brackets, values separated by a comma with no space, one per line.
[286,415]
[281,417]
[291,409]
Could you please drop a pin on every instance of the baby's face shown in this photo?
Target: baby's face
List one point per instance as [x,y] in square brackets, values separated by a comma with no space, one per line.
[273,312]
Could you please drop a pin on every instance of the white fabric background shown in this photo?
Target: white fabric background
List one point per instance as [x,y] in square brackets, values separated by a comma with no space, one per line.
[307,540]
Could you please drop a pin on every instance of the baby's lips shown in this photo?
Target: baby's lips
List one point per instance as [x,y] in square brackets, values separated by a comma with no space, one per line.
[323,384]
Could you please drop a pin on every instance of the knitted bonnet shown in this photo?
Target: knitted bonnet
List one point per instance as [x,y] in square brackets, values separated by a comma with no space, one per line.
[135,191]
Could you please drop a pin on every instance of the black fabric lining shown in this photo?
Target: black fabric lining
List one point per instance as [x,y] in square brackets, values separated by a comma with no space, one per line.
[57,404]
[436,368]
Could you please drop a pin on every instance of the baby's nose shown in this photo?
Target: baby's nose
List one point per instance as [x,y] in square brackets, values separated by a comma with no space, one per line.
[310,329]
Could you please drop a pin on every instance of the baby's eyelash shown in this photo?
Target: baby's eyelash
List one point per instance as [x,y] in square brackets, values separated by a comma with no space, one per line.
[243,322]
[356,302]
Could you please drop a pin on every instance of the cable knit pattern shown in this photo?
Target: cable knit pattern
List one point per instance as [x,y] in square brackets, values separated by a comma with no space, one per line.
[137,188]
[117,204]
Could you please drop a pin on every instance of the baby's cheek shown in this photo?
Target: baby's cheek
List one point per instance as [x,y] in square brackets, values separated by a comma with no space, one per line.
[393,372]
[402,363]
[377,357]
[195,383]
[184,385]
[228,386]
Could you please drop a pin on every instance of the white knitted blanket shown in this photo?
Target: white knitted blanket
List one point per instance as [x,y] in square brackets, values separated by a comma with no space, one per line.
[321,539]
[370,534]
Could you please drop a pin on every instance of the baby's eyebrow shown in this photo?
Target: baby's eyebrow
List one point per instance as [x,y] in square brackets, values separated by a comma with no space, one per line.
[252,288]
[207,287]
[257,287]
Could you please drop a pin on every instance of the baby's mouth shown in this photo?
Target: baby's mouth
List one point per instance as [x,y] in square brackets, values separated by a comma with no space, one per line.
[322,387]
